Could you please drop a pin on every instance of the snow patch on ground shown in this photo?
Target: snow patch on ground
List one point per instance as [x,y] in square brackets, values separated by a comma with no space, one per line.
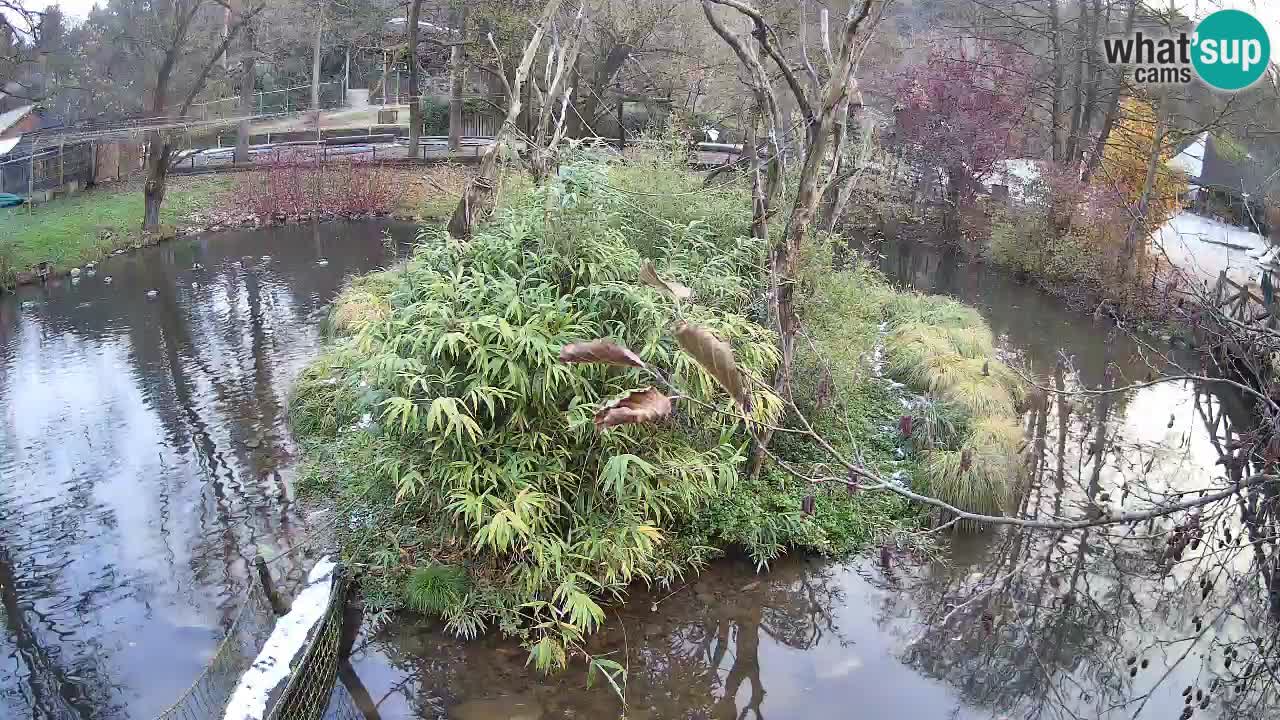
[271,667]
[1204,247]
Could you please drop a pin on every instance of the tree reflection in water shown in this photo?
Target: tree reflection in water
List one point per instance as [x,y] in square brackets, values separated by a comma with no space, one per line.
[698,656]
[1103,623]
[1100,624]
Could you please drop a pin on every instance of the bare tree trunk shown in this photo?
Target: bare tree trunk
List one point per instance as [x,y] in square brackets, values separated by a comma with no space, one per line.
[1092,79]
[821,137]
[386,75]
[1055,106]
[544,155]
[1136,236]
[765,177]
[415,101]
[1113,108]
[158,148]
[481,193]
[1077,86]
[248,76]
[601,80]
[827,204]
[315,66]
[457,79]
[157,173]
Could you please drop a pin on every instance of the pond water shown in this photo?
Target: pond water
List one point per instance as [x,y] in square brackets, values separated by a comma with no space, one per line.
[145,459]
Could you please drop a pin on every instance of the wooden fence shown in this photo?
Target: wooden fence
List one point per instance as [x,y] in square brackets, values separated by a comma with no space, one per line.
[1239,302]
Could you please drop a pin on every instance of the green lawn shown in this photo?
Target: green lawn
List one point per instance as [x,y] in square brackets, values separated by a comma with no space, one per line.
[84,227]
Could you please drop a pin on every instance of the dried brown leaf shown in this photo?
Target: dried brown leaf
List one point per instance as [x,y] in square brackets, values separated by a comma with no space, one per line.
[716,357]
[638,406]
[600,351]
[670,288]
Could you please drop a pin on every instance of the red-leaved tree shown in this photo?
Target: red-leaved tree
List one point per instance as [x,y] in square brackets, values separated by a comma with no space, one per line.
[959,114]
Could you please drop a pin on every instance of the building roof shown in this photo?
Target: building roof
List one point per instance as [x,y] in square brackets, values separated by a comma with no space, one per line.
[11,118]
[1190,158]
[1230,165]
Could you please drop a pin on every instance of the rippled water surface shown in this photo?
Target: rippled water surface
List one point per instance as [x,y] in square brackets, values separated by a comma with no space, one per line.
[145,459]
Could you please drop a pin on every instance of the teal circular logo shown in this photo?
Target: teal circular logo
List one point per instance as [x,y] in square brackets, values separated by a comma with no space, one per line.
[1232,50]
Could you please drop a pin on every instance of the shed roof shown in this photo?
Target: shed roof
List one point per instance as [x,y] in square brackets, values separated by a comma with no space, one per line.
[11,118]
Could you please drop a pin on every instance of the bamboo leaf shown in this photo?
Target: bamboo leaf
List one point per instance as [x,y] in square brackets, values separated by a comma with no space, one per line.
[612,672]
[670,288]
[600,351]
[716,357]
[637,406]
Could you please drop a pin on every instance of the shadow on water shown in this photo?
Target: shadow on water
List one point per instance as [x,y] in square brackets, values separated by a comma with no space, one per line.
[144,457]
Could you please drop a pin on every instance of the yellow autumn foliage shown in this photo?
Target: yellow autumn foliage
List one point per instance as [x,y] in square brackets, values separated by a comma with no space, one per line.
[1125,159]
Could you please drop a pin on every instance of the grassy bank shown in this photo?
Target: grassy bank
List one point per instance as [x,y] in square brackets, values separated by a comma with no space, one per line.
[84,227]
[462,453]
[87,226]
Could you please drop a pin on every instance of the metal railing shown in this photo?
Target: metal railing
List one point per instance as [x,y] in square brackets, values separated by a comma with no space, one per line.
[272,102]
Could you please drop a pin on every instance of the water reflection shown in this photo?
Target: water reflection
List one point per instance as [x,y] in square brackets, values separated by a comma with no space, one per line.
[144,458]
[1095,624]
[1114,622]
[804,640]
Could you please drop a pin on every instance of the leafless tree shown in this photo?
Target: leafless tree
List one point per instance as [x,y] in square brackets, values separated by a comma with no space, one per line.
[823,108]
[173,25]
[480,195]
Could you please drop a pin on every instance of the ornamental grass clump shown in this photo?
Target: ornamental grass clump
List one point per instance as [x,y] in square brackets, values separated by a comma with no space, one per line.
[944,349]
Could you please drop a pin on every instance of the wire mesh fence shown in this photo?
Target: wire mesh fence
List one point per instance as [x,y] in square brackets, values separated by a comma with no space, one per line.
[311,692]
[271,102]
[208,695]
[308,693]
[28,168]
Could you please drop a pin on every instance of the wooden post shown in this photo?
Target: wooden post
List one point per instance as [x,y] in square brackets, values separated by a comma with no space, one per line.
[31,180]
[269,587]
[62,168]
[386,74]
[622,133]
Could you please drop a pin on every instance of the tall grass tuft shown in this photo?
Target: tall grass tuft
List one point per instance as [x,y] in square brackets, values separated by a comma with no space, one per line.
[435,588]
[945,350]
[363,301]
